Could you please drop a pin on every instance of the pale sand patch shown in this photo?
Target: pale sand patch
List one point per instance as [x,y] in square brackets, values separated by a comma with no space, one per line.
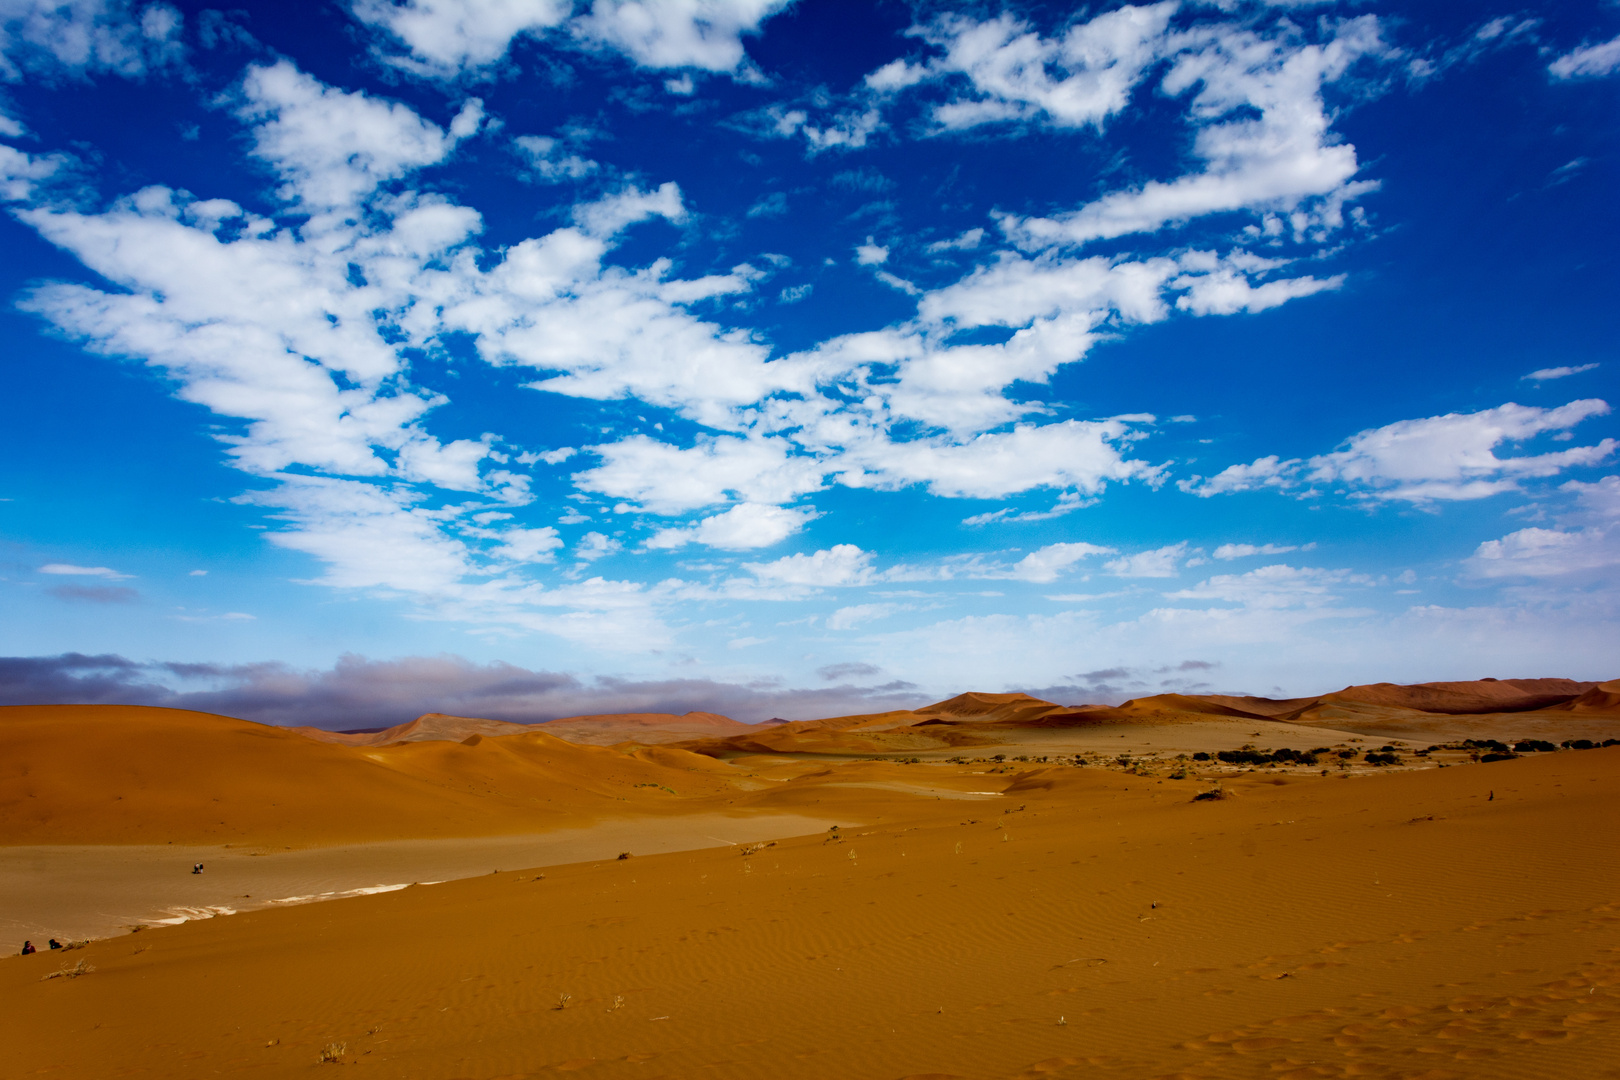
[91,891]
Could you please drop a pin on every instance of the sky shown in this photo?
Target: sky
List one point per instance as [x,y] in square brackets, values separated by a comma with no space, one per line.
[529,358]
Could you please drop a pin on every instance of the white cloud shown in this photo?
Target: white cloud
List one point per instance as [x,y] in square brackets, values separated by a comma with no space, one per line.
[520,545]
[1601,499]
[744,527]
[367,536]
[847,130]
[847,618]
[1244,551]
[609,215]
[334,147]
[1227,291]
[1453,456]
[549,162]
[1157,563]
[870,254]
[70,570]
[1052,560]
[21,173]
[840,565]
[1542,553]
[1588,60]
[669,480]
[595,545]
[1450,458]
[83,37]
[1278,586]
[445,37]
[454,466]
[1084,455]
[1013,74]
[1283,159]
[965,242]
[1546,374]
[704,34]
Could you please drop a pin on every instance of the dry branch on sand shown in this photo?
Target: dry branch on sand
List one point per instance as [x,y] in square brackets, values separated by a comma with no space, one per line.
[83,967]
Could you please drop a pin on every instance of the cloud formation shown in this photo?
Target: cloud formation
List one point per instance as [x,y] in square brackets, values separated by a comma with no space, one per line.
[1439,458]
[360,693]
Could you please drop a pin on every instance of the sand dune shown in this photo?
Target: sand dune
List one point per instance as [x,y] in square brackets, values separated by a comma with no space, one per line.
[429,727]
[81,774]
[645,728]
[1082,923]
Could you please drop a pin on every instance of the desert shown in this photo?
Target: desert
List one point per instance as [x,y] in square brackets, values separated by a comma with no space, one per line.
[1360,884]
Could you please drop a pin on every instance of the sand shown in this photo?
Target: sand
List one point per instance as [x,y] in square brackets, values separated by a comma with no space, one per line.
[973,919]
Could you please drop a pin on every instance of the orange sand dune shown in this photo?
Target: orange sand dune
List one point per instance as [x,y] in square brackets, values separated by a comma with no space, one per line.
[647,728]
[1458,923]
[428,727]
[1480,696]
[127,774]
[1604,697]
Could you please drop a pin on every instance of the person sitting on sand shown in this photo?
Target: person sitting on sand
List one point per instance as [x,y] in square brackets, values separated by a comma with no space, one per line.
[28,947]
[55,944]
[197,869]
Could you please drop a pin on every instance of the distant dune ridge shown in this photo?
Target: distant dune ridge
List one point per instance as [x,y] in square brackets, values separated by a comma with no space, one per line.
[132,774]
[787,906]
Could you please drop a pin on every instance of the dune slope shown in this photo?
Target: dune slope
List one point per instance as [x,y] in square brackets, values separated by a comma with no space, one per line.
[101,774]
[1404,925]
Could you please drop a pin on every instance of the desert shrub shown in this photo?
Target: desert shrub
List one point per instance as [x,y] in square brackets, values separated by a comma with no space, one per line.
[1244,757]
[1347,753]
[1506,755]
[999,758]
[1200,756]
[1379,757]
[1493,745]
[1386,749]
[1209,796]
[1321,750]
[83,967]
[1533,746]
[332,1053]
[1580,744]
[1611,742]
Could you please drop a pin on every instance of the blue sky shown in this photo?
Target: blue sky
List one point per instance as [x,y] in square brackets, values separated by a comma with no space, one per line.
[801,357]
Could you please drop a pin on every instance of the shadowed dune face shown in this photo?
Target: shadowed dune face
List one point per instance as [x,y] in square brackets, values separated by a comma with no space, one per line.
[1084,923]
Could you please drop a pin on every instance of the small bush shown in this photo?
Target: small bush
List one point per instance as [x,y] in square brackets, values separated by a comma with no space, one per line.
[1347,754]
[1209,796]
[1533,746]
[332,1053]
[1200,756]
[1378,757]
[1493,745]
[83,967]
[1506,755]
[1580,744]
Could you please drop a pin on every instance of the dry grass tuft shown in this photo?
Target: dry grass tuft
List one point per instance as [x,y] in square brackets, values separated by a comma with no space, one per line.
[83,967]
[332,1053]
[563,1000]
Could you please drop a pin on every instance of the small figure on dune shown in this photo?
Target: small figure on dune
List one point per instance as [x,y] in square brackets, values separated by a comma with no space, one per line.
[197,869]
[55,944]
[28,948]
